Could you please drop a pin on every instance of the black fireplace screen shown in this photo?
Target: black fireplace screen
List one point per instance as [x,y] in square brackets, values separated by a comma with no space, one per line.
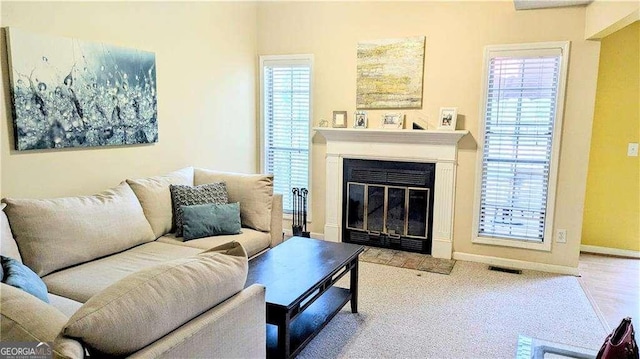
[388,204]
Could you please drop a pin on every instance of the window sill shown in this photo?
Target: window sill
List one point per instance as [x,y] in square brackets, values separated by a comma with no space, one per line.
[514,243]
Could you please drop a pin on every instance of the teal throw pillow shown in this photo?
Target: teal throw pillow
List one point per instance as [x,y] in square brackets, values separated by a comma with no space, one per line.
[22,277]
[205,220]
[182,195]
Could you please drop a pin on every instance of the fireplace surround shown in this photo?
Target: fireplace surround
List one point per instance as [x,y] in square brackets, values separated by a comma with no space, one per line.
[433,147]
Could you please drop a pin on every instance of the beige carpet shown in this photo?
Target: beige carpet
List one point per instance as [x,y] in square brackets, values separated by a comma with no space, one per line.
[402,259]
[471,313]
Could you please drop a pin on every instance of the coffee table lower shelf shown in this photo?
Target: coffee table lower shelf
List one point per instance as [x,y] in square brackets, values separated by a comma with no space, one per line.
[309,322]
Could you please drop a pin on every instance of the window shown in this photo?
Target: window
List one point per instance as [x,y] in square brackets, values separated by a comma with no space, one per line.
[286,120]
[520,142]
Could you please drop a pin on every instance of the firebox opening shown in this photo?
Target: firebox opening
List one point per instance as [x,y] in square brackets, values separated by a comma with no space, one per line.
[388,204]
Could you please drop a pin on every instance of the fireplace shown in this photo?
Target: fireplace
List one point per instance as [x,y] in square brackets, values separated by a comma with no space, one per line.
[436,148]
[388,204]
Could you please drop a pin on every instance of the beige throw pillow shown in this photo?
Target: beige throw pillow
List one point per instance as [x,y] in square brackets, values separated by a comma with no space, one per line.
[146,305]
[155,198]
[253,192]
[57,233]
[8,246]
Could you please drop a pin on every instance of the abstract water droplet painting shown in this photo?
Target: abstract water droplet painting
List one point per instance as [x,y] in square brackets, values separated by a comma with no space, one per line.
[390,73]
[73,93]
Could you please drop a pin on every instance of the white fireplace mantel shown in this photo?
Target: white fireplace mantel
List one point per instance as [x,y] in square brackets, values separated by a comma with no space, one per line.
[439,147]
[395,136]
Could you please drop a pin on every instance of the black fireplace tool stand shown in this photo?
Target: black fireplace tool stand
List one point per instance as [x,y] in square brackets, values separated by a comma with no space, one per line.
[299,220]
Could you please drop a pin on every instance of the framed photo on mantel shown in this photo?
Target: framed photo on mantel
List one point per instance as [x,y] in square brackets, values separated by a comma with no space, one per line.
[360,119]
[448,118]
[339,119]
[393,121]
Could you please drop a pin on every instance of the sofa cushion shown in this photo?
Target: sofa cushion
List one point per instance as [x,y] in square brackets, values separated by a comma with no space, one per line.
[204,220]
[57,233]
[253,192]
[84,281]
[22,277]
[190,195]
[155,197]
[253,241]
[145,306]
[65,305]
[26,318]
[8,246]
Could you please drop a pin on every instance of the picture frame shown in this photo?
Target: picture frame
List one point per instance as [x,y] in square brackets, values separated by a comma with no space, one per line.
[393,121]
[448,118]
[361,120]
[53,112]
[339,119]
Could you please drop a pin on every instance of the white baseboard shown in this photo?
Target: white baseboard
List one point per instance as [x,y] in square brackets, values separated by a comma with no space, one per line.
[288,232]
[609,251]
[516,264]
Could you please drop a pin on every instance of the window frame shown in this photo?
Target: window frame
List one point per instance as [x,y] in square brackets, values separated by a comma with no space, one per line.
[540,47]
[287,59]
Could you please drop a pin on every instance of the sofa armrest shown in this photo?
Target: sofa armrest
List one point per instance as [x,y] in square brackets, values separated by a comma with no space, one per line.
[234,328]
[67,348]
[276,220]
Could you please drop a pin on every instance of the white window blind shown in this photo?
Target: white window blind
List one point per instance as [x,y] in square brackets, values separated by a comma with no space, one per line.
[520,119]
[286,101]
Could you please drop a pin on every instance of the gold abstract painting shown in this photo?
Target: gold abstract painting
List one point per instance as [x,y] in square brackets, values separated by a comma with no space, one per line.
[390,73]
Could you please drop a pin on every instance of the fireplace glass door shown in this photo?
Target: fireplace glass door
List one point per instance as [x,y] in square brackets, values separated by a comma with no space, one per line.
[375,208]
[390,210]
[356,206]
[396,211]
[418,212]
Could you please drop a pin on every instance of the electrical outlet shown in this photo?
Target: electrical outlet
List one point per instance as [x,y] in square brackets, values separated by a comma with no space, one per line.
[632,149]
[561,236]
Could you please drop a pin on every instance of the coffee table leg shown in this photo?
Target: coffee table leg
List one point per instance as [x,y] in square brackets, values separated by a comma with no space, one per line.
[354,286]
[284,337]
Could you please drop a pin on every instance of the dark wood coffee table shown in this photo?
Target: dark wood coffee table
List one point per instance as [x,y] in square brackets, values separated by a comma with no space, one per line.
[299,275]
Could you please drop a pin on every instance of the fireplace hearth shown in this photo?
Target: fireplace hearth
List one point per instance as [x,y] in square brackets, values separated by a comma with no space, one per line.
[388,204]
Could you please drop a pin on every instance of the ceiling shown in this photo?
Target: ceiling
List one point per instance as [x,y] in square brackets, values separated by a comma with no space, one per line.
[546,4]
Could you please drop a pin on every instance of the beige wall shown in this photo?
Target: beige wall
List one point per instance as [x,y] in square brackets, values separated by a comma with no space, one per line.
[605,17]
[205,57]
[456,33]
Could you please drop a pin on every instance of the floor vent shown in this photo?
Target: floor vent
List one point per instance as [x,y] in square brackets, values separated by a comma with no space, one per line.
[507,270]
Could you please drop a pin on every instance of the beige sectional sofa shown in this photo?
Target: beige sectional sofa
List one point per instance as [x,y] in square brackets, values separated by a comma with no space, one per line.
[121,284]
